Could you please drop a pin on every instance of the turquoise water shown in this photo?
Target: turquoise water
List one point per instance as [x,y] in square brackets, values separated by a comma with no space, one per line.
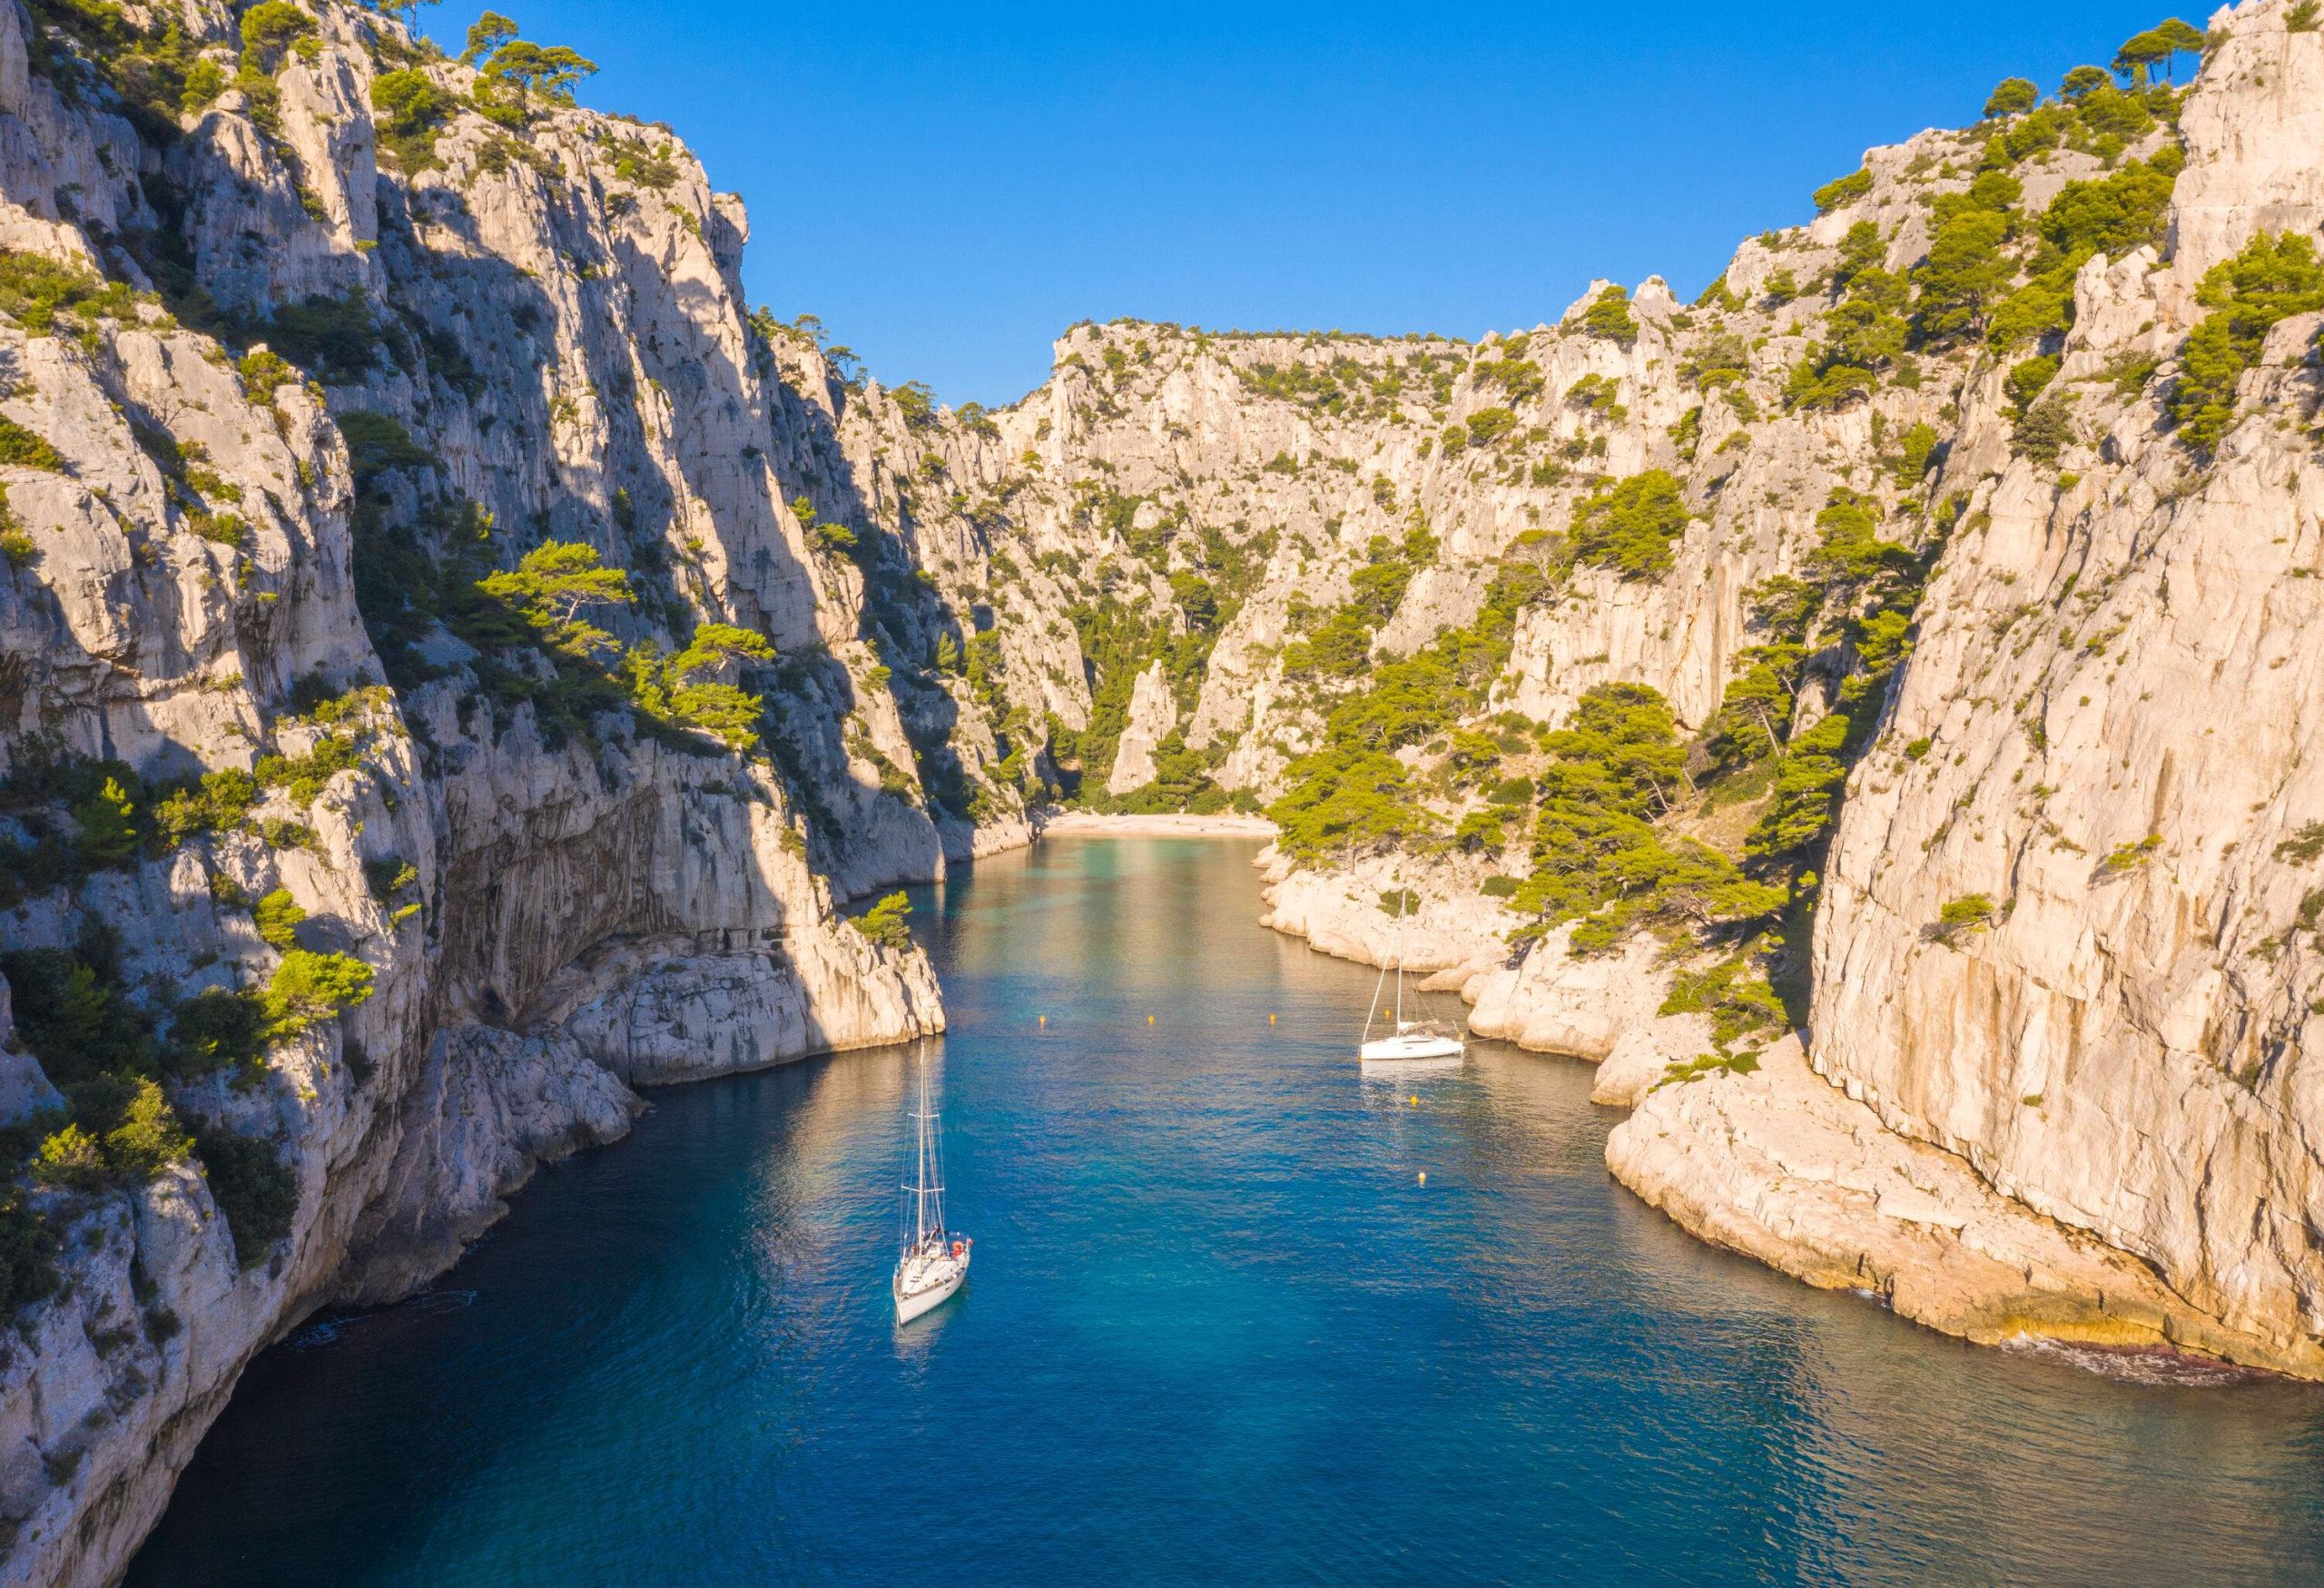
[1217,1331]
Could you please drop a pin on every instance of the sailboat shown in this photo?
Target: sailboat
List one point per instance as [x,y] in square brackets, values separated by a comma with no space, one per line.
[934,1263]
[1414,1040]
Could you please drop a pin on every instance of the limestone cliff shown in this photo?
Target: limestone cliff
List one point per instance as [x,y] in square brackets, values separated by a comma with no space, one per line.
[2119,683]
[456,660]
[378,880]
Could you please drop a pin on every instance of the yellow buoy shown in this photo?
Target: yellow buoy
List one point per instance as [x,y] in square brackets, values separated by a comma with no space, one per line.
[1423,1177]
[1045,1019]
[1413,1100]
[1270,1020]
[1150,1020]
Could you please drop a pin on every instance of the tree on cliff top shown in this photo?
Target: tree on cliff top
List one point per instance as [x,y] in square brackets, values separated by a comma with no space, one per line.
[2159,46]
[2013,96]
[486,35]
[551,71]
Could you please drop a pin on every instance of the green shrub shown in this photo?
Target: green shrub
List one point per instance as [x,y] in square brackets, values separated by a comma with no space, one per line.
[219,803]
[2044,430]
[37,292]
[2271,280]
[1609,317]
[68,1016]
[20,448]
[2303,846]
[1739,1004]
[143,1138]
[1488,426]
[412,111]
[1485,829]
[205,80]
[107,820]
[308,987]
[148,1139]
[262,373]
[2028,378]
[224,528]
[304,776]
[215,1030]
[2014,96]
[1521,378]
[334,338]
[253,1188]
[271,28]
[377,442]
[280,833]
[885,923]
[389,876]
[2126,858]
[278,915]
[1628,526]
[1971,912]
[1843,191]
[71,1158]
[1596,394]
[1918,447]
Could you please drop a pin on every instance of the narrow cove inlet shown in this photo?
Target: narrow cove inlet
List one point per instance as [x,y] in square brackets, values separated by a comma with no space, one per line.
[1216,1318]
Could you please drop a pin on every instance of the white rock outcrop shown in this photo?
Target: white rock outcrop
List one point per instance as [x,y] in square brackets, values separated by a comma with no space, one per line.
[1153,714]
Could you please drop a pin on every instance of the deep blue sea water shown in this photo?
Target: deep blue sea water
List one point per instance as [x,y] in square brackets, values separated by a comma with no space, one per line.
[1217,1331]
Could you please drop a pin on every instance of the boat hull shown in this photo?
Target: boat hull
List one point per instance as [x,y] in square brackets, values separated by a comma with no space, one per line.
[1412,1050]
[931,1294]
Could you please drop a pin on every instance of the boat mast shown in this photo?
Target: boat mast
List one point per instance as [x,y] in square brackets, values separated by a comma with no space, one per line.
[920,1174]
[1402,898]
[922,1190]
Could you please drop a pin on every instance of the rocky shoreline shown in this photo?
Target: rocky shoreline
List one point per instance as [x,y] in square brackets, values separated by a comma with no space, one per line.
[1778,1163]
[1782,1166]
[1092,824]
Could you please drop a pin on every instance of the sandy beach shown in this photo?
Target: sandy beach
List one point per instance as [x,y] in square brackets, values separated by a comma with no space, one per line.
[1090,824]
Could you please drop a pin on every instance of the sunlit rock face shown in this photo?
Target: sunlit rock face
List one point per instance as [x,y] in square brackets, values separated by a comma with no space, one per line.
[550,908]
[2086,1115]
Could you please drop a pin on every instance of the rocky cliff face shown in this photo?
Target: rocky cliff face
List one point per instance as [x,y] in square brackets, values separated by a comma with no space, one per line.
[276,399]
[2120,681]
[456,660]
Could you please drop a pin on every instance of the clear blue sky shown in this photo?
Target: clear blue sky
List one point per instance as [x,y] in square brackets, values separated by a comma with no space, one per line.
[950,187]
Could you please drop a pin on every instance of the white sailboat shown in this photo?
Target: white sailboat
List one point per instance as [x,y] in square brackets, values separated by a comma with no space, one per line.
[934,1263]
[1414,1040]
